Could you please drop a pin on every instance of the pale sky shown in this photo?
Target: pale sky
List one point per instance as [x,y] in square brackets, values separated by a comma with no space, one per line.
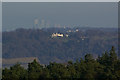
[93,14]
[60,0]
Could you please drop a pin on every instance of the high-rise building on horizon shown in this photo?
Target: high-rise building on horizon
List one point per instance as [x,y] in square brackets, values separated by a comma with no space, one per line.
[47,24]
[36,23]
[42,25]
[57,25]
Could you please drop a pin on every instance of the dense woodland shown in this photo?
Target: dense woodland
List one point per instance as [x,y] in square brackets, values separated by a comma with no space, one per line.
[38,43]
[105,67]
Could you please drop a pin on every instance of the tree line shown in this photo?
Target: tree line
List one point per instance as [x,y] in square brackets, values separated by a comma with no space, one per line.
[105,67]
[39,43]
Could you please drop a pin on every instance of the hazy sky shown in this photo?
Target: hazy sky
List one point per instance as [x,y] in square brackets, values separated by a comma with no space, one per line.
[60,0]
[95,14]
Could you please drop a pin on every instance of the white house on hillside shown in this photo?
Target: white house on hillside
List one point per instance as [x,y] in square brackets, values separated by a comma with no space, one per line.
[57,35]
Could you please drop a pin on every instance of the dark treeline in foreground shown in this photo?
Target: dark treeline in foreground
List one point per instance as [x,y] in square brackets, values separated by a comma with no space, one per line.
[105,67]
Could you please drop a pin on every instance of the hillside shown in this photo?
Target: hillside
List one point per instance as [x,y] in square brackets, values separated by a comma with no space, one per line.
[39,43]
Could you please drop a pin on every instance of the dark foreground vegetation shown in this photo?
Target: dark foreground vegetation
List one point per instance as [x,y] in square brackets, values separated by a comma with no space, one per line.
[105,67]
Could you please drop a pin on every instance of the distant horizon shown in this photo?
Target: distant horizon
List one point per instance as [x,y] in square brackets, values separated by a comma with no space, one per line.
[29,15]
[62,28]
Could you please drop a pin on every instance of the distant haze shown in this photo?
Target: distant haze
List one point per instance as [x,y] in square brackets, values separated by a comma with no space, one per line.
[26,14]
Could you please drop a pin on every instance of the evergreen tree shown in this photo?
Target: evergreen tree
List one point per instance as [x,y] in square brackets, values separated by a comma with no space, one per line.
[34,70]
[113,56]
[106,67]
[15,72]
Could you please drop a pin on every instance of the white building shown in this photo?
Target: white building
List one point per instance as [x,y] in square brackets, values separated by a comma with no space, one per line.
[67,35]
[77,30]
[57,35]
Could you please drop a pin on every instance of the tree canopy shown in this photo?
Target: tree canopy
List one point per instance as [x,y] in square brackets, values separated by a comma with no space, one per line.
[105,67]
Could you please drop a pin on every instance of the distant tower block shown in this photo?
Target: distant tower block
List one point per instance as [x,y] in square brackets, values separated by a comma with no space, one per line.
[42,24]
[47,25]
[55,25]
[64,27]
[36,23]
[59,26]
